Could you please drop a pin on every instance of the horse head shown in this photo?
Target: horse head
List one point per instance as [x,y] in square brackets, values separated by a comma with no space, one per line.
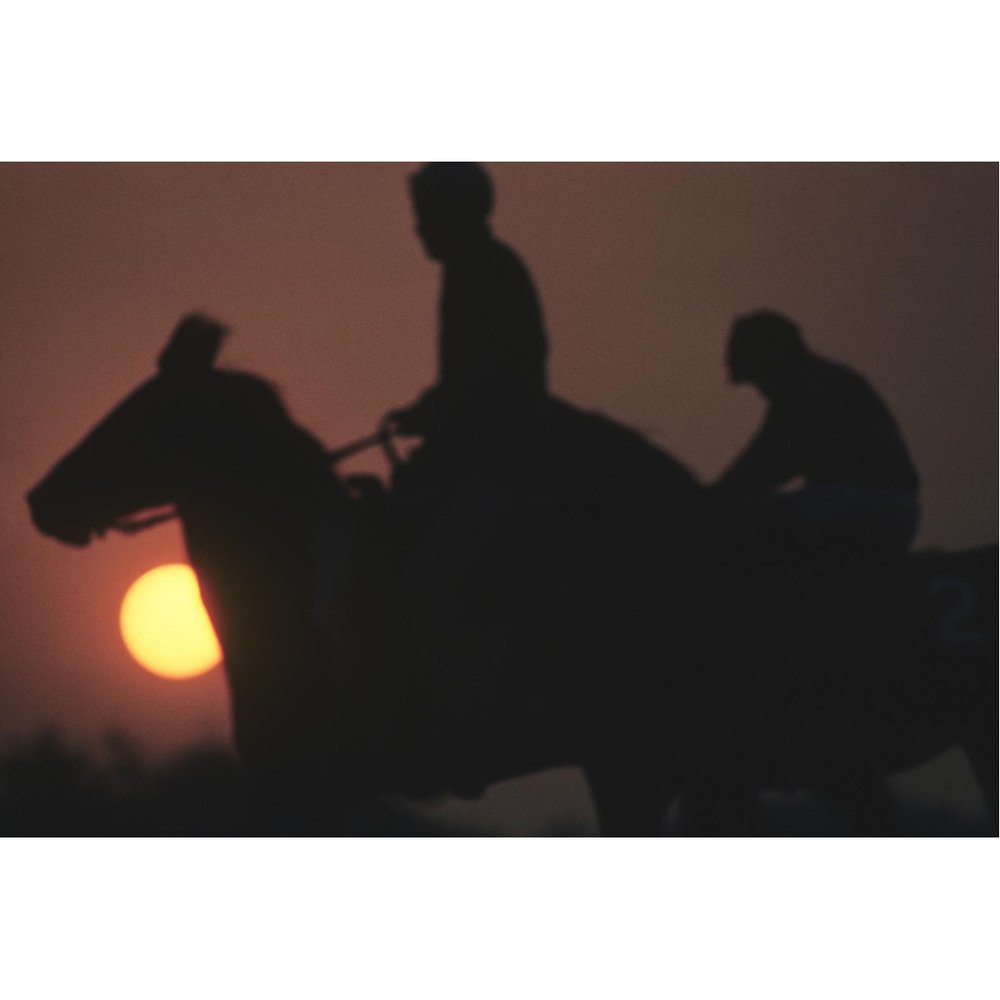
[161,445]
[218,448]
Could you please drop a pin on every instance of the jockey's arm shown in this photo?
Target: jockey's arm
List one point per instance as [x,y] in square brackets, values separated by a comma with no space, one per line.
[767,463]
[416,419]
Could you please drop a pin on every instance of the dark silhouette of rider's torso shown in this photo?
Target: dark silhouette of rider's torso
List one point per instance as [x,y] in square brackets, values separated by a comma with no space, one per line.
[828,426]
[492,346]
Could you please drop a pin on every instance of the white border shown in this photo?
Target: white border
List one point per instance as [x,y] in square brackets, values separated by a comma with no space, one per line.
[525,80]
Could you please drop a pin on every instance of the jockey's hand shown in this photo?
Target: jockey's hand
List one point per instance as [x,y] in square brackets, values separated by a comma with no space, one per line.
[414,420]
[403,421]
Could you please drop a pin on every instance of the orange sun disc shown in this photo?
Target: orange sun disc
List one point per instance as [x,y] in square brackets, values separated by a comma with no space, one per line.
[165,625]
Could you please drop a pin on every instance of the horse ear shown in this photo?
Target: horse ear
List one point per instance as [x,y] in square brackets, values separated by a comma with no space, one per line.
[193,345]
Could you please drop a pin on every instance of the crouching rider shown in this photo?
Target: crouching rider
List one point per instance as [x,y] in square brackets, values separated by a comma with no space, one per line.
[828,429]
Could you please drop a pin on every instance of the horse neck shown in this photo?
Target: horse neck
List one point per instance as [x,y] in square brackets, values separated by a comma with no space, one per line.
[250,543]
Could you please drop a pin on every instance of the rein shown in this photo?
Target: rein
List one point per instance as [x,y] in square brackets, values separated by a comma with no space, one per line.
[383,436]
[133,525]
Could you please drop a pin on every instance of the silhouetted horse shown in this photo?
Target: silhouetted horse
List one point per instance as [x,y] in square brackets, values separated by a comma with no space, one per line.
[568,618]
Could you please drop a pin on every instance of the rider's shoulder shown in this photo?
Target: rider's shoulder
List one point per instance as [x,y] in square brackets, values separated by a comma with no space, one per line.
[823,376]
[499,257]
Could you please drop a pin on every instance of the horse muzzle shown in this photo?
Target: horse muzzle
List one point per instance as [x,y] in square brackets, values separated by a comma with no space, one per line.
[49,519]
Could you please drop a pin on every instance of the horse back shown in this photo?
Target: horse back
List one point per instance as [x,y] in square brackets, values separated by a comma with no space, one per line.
[872,664]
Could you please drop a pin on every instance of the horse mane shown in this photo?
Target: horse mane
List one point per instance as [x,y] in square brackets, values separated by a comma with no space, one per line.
[256,426]
[262,395]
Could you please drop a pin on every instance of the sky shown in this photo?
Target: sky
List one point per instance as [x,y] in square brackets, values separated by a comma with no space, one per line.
[891,268]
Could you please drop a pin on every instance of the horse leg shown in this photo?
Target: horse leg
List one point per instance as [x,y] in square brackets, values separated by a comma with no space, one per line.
[978,734]
[629,802]
[980,748]
[866,806]
[718,809]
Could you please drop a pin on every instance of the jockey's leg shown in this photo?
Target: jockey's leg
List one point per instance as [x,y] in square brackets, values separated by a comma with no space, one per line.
[717,809]
[629,801]
[866,806]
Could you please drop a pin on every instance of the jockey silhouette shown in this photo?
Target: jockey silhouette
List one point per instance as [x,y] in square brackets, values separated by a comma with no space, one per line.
[492,345]
[827,427]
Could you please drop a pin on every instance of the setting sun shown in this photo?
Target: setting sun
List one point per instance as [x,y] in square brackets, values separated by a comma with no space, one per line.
[165,625]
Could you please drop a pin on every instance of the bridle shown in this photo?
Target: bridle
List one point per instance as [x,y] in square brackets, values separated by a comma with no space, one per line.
[382,437]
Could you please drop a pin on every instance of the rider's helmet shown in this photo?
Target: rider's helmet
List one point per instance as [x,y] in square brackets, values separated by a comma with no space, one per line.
[452,202]
[763,347]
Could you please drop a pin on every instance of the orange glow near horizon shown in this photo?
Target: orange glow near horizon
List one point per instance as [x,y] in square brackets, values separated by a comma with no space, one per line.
[165,626]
